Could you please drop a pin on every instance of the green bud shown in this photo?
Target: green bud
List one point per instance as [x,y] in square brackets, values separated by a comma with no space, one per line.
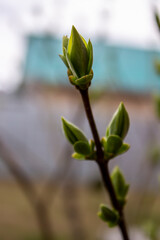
[119,124]
[65,43]
[90,55]
[120,186]
[64,48]
[78,57]
[124,148]
[82,148]
[78,156]
[108,215]
[73,133]
[112,144]
[78,54]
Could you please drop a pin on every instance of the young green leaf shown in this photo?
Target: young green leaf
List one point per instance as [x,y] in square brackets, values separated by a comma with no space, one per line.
[84,81]
[119,184]
[72,133]
[82,148]
[77,52]
[112,144]
[71,67]
[65,43]
[64,48]
[64,60]
[124,148]
[119,124]
[78,156]
[78,58]
[108,215]
[90,54]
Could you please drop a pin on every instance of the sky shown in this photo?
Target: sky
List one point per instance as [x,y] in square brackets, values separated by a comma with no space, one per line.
[125,22]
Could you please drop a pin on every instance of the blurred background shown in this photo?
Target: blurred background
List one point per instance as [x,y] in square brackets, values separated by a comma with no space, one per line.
[44,193]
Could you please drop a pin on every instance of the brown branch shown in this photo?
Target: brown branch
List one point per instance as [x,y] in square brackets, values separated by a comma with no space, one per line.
[103,166]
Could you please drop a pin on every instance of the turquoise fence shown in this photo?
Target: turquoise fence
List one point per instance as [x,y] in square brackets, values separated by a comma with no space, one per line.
[115,67]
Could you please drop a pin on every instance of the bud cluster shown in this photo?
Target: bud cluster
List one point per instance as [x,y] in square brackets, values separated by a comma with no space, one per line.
[78,58]
[116,132]
[108,215]
[120,186]
[84,149]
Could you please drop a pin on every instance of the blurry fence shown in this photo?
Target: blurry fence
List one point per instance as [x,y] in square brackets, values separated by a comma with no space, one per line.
[115,67]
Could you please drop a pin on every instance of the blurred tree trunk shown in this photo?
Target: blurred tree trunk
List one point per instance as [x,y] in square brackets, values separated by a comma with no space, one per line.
[28,188]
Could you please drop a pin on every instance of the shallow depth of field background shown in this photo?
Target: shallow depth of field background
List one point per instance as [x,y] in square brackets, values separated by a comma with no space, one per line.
[43,191]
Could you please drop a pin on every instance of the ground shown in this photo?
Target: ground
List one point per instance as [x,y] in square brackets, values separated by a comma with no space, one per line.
[18,221]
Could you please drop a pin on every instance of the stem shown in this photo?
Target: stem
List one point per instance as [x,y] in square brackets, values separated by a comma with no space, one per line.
[103,166]
[109,187]
[88,110]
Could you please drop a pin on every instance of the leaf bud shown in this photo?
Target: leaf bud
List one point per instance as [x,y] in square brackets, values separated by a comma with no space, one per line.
[119,124]
[120,186]
[78,58]
[73,133]
[108,215]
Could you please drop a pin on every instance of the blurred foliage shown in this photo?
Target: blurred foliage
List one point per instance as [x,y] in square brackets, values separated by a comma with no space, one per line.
[154,155]
[157,66]
[151,230]
[156,99]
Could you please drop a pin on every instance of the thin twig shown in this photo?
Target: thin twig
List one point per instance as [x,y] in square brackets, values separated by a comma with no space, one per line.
[103,166]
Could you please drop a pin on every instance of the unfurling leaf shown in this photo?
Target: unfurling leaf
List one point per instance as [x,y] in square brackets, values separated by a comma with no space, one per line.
[120,186]
[77,52]
[78,58]
[72,133]
[119,124]
[108,215]
[82,148]
[78,156]
[124,148]
[112,144]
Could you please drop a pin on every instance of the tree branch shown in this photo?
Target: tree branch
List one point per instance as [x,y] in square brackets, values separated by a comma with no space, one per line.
[103,166]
